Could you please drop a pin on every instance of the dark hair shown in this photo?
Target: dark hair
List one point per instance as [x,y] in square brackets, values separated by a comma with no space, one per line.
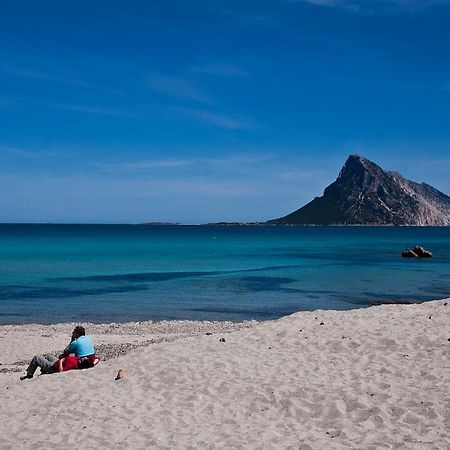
[87,362]
[79,331]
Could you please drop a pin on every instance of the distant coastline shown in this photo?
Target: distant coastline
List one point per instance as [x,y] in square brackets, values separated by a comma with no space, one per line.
[226,224]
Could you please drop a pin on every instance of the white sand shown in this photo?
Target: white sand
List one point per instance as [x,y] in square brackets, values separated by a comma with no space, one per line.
[369,378]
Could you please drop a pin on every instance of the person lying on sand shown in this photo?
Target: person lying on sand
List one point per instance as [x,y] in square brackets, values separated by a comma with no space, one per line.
[65,364]
[51,364]
[73,362]
[81,346]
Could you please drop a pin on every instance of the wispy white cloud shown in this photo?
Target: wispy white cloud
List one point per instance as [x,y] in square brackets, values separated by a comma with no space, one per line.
[235,122]
[27,73]
[373,5]
[59,76]
[235,160]
[33,154]
[178,87]
[220,69]
[115,112]
[143,165]
[213,164]
[17,152]
[254,20]
[295,174]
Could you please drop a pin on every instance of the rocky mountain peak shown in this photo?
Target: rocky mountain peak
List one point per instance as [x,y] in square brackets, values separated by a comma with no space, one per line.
[357,162]
[365,194]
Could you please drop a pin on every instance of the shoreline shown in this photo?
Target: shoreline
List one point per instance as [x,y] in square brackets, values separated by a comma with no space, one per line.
[153,322]
[374,377]
[136,334]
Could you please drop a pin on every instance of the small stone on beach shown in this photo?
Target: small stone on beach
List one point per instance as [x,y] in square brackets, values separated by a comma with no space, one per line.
[121,374]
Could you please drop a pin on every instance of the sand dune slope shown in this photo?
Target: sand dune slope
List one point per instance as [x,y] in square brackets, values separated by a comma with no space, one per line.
[370,378]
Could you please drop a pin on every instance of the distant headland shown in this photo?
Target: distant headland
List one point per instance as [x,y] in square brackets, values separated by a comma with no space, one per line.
[364,195]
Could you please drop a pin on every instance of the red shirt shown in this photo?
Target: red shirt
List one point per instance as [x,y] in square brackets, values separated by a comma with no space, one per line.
[69,363]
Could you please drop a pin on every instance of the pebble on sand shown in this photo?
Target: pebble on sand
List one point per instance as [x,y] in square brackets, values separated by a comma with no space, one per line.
[121,374]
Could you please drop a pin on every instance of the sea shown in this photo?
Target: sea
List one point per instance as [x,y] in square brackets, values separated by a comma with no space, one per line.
[129,273]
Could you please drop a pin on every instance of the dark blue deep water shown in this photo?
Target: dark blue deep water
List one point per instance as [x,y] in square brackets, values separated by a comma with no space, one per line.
[118,273]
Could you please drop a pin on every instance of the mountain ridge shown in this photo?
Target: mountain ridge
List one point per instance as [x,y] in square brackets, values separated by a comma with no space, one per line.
[365,194]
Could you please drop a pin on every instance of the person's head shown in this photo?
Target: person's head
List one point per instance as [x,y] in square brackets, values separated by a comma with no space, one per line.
[77,332]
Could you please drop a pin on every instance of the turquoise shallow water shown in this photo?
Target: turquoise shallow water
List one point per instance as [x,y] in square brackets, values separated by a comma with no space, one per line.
[118,273]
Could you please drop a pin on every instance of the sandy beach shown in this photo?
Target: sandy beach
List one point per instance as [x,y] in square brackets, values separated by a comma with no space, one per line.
[363,379]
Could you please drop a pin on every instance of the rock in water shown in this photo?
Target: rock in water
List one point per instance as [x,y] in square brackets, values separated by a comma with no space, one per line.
[365,194]
[418,252]
[408,253]
[422,253]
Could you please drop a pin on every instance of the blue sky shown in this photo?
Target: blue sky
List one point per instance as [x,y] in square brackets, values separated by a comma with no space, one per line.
[199,111]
